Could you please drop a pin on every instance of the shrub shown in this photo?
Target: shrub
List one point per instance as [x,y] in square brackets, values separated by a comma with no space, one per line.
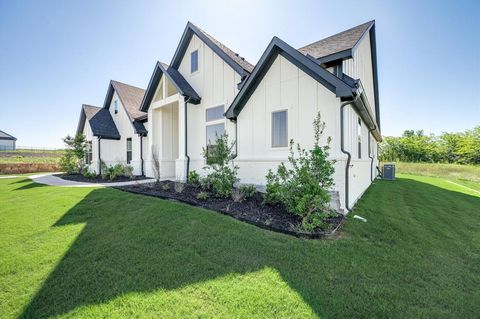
[128,171]
[248,190]
[156,164]
[111,172]
[88,174]
[115,171]
[179,187]
[194,179]
[165,187]
[73,160]
[304,188]
[202,195]
[237,195]
[69,163]
[222,173]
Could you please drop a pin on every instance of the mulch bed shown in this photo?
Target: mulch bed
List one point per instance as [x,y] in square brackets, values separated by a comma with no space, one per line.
[252,210]
[98,179]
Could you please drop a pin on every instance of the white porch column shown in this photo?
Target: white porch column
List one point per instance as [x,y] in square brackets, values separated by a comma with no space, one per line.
[181,161]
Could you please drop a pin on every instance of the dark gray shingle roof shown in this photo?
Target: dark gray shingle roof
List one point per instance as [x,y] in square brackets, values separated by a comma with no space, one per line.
[181,85]
[100,120]
[336,43]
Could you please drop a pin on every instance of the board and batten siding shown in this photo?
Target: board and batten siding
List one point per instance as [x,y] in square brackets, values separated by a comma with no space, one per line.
[360,66]
[216,83]
[286,87]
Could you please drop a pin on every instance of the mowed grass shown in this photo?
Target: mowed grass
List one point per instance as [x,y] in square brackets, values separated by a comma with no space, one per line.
[449,171]
[103,253]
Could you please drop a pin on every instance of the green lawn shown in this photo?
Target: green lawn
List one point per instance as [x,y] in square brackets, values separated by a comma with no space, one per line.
[90,253]
[455,172]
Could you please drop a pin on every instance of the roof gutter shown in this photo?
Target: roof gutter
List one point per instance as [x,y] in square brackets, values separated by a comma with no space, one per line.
[362,106]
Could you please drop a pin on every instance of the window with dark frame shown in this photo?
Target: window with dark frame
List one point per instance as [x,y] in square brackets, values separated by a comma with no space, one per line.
[359,134]
[129,150]
[194,61]
[88,153]
[279,129]
[115,106]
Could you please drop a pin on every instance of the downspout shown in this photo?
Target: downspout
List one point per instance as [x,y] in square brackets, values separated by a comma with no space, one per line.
[187,99]
[141,153]
[349,156]
[236,141]
[99,157]
[370,149]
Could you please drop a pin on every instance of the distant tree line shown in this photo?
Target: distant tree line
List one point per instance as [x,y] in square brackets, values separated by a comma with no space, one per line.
[415,146]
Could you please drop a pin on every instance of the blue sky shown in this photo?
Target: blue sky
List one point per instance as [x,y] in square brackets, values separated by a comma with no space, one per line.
[56,55]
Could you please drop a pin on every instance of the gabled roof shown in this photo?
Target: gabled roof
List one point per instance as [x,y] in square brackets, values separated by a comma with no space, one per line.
[130,97]
[346,88]
[6,136]
[182,86]
[340,46]
[278,47]
[238,63]
[100,120]
[337,46]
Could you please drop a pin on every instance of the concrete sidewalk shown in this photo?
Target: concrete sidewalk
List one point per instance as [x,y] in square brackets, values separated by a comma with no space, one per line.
[50,179]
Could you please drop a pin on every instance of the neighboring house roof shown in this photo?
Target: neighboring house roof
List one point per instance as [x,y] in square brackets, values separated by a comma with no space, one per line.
[337,46]
[131,99]
[346,89]
[6,136]
[100,120]
[238,63]
[182,86]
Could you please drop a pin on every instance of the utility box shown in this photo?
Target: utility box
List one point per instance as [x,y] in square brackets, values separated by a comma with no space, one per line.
[388,172]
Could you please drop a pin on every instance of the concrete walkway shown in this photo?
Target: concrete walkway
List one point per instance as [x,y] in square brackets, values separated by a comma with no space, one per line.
[50,179]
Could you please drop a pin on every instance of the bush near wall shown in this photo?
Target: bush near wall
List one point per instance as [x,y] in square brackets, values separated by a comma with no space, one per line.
[20,168]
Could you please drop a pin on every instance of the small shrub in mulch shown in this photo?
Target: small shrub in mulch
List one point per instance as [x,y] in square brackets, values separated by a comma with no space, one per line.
[98,179]
[251,210]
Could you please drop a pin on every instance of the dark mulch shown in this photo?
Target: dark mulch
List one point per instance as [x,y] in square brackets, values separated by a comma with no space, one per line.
[252,210]
[98,179]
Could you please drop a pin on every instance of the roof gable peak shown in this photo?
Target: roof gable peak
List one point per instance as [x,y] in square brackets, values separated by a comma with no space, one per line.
[237,62]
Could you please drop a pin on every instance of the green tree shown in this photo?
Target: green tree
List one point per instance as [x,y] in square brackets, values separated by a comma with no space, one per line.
[73,161]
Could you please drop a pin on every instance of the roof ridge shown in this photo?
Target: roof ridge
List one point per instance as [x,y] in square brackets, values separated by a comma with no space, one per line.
[122,83]
[89,105]
[221,44]
[337,34]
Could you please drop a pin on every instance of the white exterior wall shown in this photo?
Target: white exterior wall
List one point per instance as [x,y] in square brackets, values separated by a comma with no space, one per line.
[216,83]
[286,87]
[87,131]
[361,67]
[115,151]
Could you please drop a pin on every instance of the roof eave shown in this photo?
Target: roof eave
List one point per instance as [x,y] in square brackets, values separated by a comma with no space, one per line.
[309,66]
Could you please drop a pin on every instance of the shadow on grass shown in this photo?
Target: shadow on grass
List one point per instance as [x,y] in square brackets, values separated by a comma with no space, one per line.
[136,244]
[29,184]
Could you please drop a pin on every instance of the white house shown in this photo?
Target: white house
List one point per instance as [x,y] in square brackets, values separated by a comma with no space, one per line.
[7,142]
[116,132]
[209,89]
